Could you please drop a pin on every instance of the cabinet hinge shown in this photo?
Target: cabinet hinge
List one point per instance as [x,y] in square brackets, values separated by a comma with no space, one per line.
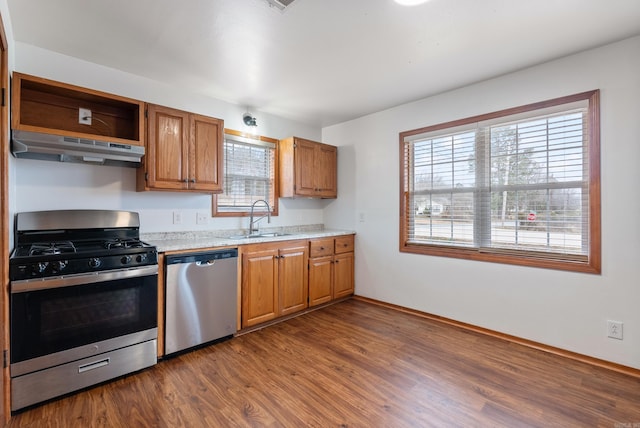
[146,113]
[4,93]
[4,358]
[146,176]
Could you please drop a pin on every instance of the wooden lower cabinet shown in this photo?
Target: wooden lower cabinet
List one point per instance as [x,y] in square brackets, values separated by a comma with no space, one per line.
[320,280]
[292,279]
[343,275]
[331,269]
[282,278]
[274,280]
[259,286]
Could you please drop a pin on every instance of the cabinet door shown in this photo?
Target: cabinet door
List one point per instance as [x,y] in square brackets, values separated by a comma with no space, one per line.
[293,279]
[326,171]
[259,287]
[167,149]
[343,275]
[205,154]
[304,158]
[320,280]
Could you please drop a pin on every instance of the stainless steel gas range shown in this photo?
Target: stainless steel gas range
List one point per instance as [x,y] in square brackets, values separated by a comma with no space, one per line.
[83,306]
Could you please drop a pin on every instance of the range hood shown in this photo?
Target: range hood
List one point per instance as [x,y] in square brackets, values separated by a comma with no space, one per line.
[36,145]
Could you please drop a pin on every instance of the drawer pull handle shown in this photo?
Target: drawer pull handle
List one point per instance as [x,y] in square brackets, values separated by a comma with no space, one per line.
[94,365]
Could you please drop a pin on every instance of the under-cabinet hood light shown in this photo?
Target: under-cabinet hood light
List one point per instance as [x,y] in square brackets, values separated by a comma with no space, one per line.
[41,146]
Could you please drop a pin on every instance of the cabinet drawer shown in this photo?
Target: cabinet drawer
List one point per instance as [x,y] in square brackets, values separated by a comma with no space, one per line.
[321,247]
[344,244]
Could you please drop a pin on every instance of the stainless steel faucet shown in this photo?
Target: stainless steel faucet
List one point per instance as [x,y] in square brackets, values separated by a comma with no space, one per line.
[253,229]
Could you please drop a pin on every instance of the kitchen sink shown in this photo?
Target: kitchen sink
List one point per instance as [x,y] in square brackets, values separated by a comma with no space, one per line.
[260,235]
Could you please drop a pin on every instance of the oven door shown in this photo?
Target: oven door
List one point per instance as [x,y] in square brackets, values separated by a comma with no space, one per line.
[52,320]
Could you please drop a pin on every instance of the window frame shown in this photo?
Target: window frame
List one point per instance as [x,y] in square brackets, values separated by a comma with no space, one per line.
[260,209]
[592,263]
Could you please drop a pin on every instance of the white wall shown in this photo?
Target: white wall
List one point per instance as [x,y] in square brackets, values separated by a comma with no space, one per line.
[8,29]
[40,185]
[562,309]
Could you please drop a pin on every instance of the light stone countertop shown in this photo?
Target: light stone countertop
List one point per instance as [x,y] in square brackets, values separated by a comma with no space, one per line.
[196,240]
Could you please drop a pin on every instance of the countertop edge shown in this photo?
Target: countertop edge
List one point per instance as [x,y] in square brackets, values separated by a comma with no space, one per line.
[168,245]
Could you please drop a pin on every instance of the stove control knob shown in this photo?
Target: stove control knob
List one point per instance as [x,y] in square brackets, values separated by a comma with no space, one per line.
[126,260]
[141,258]
[94,263]
[59,265]
[41,267]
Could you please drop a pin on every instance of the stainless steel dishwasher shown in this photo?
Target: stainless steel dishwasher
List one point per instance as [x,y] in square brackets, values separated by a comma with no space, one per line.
[200,298]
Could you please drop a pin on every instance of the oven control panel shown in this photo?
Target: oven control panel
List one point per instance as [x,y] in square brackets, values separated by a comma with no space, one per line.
[60,266]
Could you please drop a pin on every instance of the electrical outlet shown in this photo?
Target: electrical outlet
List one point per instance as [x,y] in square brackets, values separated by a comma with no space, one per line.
[614,329]
[84,116]
[177,217]
[202,218]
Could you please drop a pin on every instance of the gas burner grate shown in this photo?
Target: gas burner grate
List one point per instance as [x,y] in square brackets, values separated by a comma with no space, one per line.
[50,248]
[122,243]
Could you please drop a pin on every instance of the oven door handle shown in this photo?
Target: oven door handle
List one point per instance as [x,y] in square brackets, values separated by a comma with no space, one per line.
[26,285]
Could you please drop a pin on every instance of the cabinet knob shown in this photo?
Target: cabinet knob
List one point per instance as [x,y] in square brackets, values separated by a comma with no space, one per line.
[193,180]
[322,248]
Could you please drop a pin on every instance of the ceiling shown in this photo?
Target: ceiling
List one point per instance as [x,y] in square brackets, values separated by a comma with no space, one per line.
[321,62]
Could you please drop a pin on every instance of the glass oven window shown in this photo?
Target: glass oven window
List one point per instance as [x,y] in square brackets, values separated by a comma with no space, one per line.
[53,320]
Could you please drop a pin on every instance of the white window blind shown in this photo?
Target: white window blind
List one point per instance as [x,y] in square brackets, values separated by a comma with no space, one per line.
[249,173]
[516,184]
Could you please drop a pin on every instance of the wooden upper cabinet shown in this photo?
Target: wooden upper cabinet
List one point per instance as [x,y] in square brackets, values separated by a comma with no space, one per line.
[206,153]
[167,149]
[184,152]
[50,107]
[308,169]
[326,170]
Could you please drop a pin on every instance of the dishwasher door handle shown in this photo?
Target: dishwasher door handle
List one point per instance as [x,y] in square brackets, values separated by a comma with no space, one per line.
[206,263]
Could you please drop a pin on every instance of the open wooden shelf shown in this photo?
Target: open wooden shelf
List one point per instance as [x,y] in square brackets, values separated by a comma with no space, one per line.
[42,105]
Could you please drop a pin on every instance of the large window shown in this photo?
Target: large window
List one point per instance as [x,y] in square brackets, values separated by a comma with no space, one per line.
[518,186]
[250,174]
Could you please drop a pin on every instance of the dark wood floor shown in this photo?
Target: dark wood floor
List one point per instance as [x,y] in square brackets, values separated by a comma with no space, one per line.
[358,365]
